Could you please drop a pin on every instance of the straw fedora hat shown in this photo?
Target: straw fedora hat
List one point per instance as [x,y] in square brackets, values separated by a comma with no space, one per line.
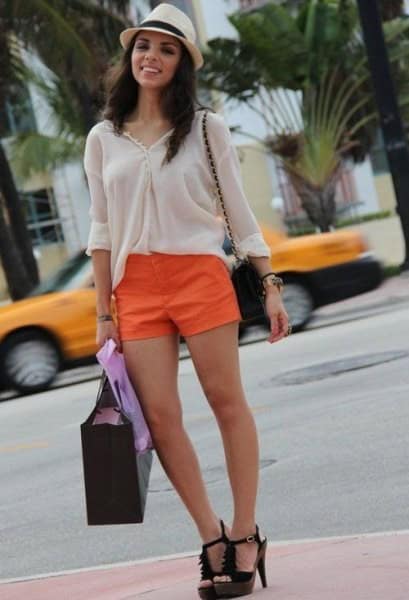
[166,18]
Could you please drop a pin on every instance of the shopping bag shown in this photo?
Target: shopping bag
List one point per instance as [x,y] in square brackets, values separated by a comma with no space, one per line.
[113,364]
[116,476]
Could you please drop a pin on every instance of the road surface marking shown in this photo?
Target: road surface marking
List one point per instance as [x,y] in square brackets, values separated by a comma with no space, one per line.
[27,446]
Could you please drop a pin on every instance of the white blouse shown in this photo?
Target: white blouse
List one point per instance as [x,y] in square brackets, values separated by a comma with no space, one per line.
[139,205]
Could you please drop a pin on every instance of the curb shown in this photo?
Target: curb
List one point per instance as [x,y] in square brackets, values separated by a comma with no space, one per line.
[193,554]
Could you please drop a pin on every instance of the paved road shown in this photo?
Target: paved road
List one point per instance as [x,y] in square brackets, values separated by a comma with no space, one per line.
[333,433]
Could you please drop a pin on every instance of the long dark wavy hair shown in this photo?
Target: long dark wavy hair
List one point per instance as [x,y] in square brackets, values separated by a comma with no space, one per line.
[179,99]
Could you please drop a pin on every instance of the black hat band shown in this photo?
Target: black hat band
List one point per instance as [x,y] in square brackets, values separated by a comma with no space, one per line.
[164,26]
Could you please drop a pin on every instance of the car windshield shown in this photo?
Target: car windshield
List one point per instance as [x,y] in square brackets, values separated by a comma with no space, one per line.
[67,277]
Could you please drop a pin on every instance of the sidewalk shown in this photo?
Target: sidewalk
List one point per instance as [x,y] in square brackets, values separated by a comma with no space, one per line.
[361,567]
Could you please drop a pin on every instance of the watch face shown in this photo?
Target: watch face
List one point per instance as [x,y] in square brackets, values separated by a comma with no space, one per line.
[273,281]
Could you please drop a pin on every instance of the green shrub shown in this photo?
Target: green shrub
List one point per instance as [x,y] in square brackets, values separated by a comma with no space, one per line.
[363,218]
[309,229]
[301,231]
[391,270]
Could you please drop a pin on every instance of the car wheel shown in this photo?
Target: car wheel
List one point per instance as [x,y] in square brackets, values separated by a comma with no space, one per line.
[298,302]
[31,361]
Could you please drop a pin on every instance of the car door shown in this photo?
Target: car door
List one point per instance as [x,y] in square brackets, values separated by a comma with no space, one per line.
[77,323]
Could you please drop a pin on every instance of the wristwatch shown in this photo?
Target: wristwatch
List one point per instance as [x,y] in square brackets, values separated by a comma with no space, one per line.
[272,280]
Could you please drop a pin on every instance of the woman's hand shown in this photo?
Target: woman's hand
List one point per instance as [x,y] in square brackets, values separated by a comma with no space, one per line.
[107,330]
[277,314]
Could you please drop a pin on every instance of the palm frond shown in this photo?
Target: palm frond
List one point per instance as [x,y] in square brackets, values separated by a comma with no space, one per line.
[326,133]
[42,23]
[32,153]
[56,95]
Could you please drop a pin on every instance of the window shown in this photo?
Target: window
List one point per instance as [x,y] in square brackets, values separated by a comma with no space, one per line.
[42,217]
[69,276]
[378,156]
[16,114]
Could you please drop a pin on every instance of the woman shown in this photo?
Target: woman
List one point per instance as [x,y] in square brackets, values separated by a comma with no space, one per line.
[156,245]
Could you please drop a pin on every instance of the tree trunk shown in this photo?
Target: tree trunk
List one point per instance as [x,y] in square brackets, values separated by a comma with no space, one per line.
[17,218]
[18,283]
[318,203]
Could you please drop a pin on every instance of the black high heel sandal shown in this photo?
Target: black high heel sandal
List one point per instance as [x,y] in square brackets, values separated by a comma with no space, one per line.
[242,582]
[206,571]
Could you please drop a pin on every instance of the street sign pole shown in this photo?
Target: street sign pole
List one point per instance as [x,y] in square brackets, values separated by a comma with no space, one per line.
[394,136]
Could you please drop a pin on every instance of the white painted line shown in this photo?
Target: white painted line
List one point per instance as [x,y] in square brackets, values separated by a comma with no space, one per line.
[193,554]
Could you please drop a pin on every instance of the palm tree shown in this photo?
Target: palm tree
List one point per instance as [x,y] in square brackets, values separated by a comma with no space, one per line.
[16,253]
[312,144]
[315,52]
[16,275]
[74,40]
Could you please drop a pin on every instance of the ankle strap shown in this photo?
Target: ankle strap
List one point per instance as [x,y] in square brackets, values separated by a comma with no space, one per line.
[222,538]
[255,537]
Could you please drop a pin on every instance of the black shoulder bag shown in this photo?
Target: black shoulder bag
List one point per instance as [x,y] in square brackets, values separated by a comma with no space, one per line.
[246,281]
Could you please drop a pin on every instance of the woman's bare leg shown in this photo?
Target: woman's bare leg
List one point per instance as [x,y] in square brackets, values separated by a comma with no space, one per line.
[216,359]
[152,365]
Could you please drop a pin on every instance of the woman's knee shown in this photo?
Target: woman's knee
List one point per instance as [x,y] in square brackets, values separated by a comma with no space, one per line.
[226,401]
[164,421]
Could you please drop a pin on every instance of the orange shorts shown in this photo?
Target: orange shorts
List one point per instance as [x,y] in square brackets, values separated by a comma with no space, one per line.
[161,294]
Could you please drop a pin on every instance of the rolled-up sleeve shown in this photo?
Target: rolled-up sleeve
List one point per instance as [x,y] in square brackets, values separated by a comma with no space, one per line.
[245,229]
[99,235]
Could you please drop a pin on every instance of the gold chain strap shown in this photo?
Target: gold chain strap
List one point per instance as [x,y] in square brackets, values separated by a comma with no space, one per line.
[218,187]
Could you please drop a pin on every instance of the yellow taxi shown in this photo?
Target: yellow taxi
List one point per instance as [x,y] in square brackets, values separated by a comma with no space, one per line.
[321,269]
[55,326]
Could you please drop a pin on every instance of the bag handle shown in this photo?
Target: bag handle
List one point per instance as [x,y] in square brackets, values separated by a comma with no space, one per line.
[103,383]
[218,187]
